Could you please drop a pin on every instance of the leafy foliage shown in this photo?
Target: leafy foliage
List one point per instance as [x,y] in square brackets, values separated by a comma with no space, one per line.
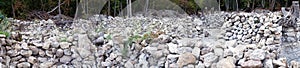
[4,25]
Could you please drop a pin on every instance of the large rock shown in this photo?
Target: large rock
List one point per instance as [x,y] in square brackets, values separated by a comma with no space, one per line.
[85,46]
[83,52]
[186,58]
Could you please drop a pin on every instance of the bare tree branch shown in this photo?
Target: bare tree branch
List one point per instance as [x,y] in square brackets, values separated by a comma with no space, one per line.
[55,8]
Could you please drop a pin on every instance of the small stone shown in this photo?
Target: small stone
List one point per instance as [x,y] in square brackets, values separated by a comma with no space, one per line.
[42,59]
[10,52]
[269,41]
[200,65]
[2,36]
[49,53]
[196,52]
[70,39]
[14,59]
[226,63]
[54,44]
[268,63]
[17,47]
[230,43]
[228,52]
[186,58]
[294,64]
[34,50]
[280,62]
[106,64]
[228,34]
[186,42]
[46,64]
[24,46]
[158,54]
[64,45]
[252,64]
[67,52]
[65,59]
[26,53]
[208,59]
[59,53]
[165,38]
[173,48]
[128,64]
[46,45]
[32,60]
[41,52]
[184,50]
[99,40]
[257,54]
[24,65]
[219,52]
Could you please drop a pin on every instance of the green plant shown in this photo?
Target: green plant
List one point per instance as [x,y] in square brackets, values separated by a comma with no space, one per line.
[4,25]
[109,37]
[63,39]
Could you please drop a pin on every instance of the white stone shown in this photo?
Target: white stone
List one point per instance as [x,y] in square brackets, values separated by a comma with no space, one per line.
[258,55]
[209,58]
[196,52]
[226,63]
[269,41]
[173,47]
[230,43]
[64,45]
[268,63]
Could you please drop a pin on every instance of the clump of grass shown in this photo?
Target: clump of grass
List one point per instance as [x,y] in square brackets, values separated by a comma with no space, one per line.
[63,39]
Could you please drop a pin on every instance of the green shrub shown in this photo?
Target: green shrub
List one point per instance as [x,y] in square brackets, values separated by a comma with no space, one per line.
[4,25]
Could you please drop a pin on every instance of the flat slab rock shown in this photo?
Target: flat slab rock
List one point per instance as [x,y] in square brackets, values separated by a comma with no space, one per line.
[291,52]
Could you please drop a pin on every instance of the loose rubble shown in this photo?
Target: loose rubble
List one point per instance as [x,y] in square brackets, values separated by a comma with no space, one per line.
[247,40]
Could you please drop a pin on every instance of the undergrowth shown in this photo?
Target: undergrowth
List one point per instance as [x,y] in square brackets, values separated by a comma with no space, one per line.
[4,25]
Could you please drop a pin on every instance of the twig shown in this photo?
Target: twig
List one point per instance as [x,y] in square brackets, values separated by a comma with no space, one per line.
[56,7]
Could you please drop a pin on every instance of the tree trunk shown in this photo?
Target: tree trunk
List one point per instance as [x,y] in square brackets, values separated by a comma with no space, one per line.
[108,10]
[146,6]
[130,11]
[59,10]
[263,3]
[253,5]
[115,7]
[127,3]
[13,8]
[237,5]
[273,5]
[219,5]
[227,5]
[75,16]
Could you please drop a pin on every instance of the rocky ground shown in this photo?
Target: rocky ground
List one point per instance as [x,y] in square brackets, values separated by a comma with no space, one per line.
[217,40]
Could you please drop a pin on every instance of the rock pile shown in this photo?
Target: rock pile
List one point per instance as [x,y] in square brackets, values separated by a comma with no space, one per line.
[251,28]
[250,40]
